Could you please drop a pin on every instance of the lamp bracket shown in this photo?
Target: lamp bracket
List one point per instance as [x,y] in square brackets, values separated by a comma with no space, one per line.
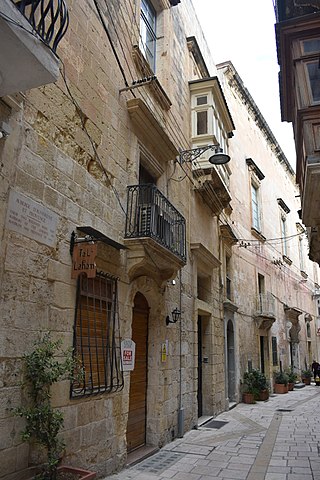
[193,153]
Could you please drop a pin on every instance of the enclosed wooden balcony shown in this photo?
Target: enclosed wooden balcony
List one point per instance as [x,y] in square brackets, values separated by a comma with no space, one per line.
[30,31]
[155,234]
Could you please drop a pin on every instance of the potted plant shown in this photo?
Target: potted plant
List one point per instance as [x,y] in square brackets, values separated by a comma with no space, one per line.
[249,387]
[44,366]
[292,377]
[306,376]
[280,382]
[261,385]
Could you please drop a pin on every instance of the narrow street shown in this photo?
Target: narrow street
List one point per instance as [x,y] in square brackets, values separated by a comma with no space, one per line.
[274,440]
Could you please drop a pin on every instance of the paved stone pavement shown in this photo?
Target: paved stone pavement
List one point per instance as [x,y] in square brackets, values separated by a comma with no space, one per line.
[274,440]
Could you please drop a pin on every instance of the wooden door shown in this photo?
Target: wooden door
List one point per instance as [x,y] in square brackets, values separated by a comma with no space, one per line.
[136,427]
[199,367]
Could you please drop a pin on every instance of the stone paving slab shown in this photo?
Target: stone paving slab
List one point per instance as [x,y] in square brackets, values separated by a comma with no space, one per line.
[262,441]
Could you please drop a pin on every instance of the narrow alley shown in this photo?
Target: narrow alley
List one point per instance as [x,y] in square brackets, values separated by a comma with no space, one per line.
[274,440]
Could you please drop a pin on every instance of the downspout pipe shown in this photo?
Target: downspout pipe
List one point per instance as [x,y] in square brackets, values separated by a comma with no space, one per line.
[181,409]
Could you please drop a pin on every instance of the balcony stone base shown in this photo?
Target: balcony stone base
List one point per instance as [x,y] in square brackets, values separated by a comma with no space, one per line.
[146,257]
[264,322]
[25,61]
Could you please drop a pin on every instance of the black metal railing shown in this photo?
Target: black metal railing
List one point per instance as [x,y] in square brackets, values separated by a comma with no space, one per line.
[49,18]
[150,214]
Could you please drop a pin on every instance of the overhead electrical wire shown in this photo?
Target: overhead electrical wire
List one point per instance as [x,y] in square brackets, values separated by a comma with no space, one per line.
[116,33]
[111,43]
[196,171]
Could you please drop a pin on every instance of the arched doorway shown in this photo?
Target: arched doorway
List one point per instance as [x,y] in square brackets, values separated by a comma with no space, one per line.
[136,426]
[231,362]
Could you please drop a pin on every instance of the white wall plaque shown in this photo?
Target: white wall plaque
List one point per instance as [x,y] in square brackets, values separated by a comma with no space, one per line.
[128,350]
[31,219]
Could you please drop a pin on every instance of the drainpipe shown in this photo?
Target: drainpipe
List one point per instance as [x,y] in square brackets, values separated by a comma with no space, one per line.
[181,409]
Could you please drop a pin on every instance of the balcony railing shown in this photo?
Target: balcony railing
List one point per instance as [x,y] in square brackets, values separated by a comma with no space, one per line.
[150,214]
[49,18]
[264,304]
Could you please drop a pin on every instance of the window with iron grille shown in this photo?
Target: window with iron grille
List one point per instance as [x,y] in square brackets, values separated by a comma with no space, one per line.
[274,351]
[96,336]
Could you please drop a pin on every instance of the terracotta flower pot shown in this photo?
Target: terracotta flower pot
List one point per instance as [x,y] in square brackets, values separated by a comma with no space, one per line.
[79,473]
[290,386]
[248,398]
[280,388]
[263,395]
[306,381]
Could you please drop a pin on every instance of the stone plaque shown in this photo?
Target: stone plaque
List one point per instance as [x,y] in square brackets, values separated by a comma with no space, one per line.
[31,219]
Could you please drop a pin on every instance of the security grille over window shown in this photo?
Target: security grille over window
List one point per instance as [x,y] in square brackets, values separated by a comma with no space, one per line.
[96,336]
[150,214]
[49,18]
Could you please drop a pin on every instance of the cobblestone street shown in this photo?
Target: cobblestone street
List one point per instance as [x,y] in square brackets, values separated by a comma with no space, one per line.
[274,440]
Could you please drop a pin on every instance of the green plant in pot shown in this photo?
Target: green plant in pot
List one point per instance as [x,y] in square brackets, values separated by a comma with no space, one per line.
[250,389]
[261,385]
[280,382]
[43,367]
[306,376]
[292,377]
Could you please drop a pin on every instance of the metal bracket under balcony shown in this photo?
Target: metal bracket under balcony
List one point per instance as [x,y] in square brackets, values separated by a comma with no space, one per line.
[30,31]
[264,305]
[155,234]
[211,183]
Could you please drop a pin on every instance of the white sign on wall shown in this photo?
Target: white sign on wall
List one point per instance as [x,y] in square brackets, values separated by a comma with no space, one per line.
[31,219]
[128,350]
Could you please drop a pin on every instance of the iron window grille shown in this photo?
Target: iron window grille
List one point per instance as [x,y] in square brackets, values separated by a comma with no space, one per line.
[96,337]
[49,18]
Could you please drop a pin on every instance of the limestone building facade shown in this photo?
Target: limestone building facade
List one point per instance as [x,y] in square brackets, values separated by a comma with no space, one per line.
[118,228]
[272,284]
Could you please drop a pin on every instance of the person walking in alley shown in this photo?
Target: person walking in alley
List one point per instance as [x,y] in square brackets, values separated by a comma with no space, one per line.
[314,367]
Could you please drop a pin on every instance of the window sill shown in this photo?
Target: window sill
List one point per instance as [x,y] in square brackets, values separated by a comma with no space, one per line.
[258,234]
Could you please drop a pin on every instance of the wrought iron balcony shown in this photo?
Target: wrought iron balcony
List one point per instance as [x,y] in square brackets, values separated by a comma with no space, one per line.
[30,31]
[287,9]
[151,215]
[49,18]
[265,304]
[264,309]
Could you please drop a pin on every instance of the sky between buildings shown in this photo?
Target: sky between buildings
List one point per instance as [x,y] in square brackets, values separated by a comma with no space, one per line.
[242,31]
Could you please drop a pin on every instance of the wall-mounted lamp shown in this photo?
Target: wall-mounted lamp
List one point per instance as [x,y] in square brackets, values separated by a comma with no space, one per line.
[5,130]
[176,314]
[218,158]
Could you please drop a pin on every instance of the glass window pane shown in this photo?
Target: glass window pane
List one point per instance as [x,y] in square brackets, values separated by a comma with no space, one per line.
[202,100]
[314,78]
[312,45]
[202,123]
[148,32]
[255,208]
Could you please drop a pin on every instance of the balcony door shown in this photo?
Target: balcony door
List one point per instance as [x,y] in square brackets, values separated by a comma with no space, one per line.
[137,417]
